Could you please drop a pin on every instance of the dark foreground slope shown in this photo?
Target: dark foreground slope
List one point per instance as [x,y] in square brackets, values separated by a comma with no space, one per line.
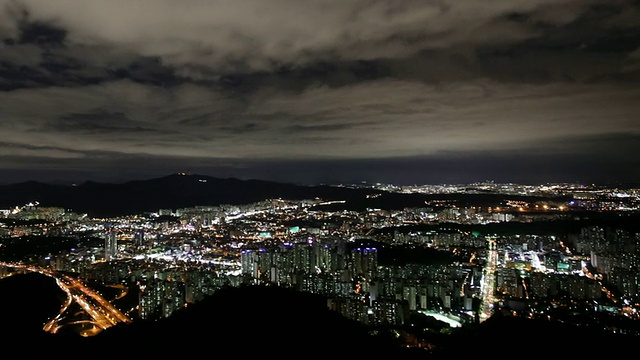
[240,322]
[255,321]
[27,301]
[271,322]
[506,337]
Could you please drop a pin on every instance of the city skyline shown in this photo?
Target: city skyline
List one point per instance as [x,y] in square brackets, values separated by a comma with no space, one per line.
[405,92]
[483,268]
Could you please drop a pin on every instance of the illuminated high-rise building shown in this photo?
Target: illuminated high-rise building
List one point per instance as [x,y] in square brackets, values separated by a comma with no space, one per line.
[110,244]
[139,238]
[365,262]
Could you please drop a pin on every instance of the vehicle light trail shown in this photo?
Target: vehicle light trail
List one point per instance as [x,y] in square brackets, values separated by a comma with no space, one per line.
[101,311]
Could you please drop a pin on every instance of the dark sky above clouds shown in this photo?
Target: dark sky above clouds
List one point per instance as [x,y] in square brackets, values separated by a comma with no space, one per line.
[401,91]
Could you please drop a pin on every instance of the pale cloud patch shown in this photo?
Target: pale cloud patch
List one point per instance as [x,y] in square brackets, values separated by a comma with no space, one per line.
[396,118]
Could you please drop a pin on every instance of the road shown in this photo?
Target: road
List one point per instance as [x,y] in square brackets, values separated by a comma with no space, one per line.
[488,282]
[102,313]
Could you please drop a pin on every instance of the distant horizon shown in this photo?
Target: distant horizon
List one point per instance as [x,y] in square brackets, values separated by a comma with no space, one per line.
[141,177]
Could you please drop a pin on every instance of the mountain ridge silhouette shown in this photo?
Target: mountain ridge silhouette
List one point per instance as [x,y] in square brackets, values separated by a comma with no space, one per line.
[189,190]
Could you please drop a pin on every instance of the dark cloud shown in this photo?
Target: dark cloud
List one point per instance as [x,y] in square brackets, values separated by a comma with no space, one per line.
[20,152]
[40,33]
[329,127]
[98,122]
[147,70]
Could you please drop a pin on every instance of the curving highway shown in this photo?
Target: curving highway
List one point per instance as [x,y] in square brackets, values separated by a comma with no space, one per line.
[102,313]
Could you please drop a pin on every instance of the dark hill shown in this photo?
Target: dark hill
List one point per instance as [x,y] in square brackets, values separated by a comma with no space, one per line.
[27,302]
[251,321]
[169,192]
[506,337]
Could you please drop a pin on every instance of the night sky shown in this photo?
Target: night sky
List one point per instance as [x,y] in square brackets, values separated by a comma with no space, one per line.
[308,92]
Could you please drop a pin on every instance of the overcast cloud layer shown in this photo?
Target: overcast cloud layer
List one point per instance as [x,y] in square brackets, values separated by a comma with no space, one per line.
[321,91]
